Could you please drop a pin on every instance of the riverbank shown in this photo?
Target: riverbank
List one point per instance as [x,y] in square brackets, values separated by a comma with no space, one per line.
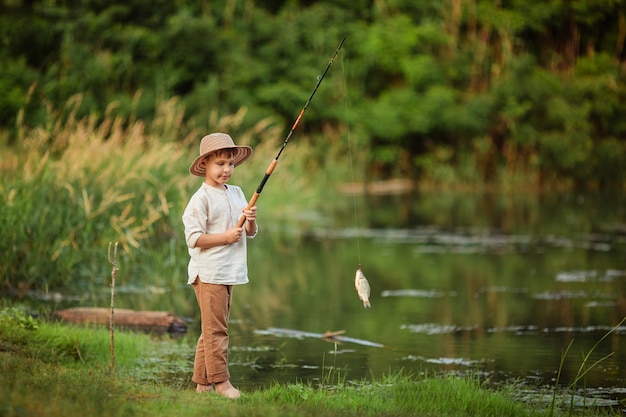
[51,369]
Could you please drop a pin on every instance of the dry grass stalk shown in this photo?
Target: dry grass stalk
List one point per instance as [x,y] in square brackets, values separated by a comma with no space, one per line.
[114,269]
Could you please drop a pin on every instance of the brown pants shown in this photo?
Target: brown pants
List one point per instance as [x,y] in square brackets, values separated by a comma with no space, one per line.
[211,361]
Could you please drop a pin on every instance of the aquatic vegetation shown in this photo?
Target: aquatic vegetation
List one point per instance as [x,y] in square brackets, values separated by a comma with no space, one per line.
[585,366]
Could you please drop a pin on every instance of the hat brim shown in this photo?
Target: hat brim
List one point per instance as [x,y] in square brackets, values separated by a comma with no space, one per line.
[241,155]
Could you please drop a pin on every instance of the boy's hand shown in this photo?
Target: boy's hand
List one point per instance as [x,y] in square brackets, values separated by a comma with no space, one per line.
[233,235]
[250,214]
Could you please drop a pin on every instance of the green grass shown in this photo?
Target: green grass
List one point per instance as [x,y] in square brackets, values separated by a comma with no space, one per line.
[50,369]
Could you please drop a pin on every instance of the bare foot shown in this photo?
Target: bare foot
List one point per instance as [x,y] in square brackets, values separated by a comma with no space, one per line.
[227,390]
[204,388]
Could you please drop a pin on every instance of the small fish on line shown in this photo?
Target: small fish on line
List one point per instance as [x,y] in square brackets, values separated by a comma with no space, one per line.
[362,287]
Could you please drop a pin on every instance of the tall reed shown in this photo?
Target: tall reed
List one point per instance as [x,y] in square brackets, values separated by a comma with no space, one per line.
[69,188]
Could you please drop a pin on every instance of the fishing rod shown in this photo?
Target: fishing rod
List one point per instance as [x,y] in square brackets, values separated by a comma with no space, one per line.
[272,165]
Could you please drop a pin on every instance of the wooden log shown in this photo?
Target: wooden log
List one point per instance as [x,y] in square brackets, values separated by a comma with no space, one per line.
[389,187]
[153,321]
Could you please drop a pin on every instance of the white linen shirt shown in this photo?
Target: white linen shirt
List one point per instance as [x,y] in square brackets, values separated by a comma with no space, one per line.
[211,210]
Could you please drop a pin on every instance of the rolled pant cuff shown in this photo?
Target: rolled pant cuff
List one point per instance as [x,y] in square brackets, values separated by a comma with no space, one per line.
[221,377]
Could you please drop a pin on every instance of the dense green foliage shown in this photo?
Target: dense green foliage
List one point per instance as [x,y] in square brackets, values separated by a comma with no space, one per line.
[451,91]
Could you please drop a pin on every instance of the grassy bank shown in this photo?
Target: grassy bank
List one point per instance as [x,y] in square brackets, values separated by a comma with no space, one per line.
[50,369]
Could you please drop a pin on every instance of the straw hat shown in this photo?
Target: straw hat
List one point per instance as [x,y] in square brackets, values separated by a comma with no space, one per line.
[214,142]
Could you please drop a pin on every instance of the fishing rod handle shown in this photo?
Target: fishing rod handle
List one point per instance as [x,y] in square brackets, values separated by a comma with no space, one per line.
[259,189]
[253,200]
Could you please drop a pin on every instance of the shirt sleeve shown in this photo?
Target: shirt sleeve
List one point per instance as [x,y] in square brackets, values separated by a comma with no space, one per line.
[195,220]
[256,231]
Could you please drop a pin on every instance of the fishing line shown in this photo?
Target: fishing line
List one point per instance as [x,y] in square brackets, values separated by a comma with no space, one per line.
[354,202]
[361,284]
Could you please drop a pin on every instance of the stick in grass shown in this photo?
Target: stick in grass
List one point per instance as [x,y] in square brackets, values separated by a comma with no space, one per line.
[114,269]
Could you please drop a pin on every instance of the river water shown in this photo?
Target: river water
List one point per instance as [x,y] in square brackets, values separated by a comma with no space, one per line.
[504,286]
[510,287]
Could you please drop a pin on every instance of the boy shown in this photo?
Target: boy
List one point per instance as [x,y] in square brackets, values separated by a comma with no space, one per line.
[217,249]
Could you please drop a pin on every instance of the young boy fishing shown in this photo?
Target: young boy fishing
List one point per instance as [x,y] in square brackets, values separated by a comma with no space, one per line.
[218,258]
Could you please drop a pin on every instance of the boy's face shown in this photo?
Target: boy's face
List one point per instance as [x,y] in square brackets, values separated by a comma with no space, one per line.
[218,169]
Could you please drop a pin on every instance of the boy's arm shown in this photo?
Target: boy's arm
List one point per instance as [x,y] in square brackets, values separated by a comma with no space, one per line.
[251,228]
[250,224]
[206,241]
[194,219]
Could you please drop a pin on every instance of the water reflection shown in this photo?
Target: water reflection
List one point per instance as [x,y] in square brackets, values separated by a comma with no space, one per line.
[476,283]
